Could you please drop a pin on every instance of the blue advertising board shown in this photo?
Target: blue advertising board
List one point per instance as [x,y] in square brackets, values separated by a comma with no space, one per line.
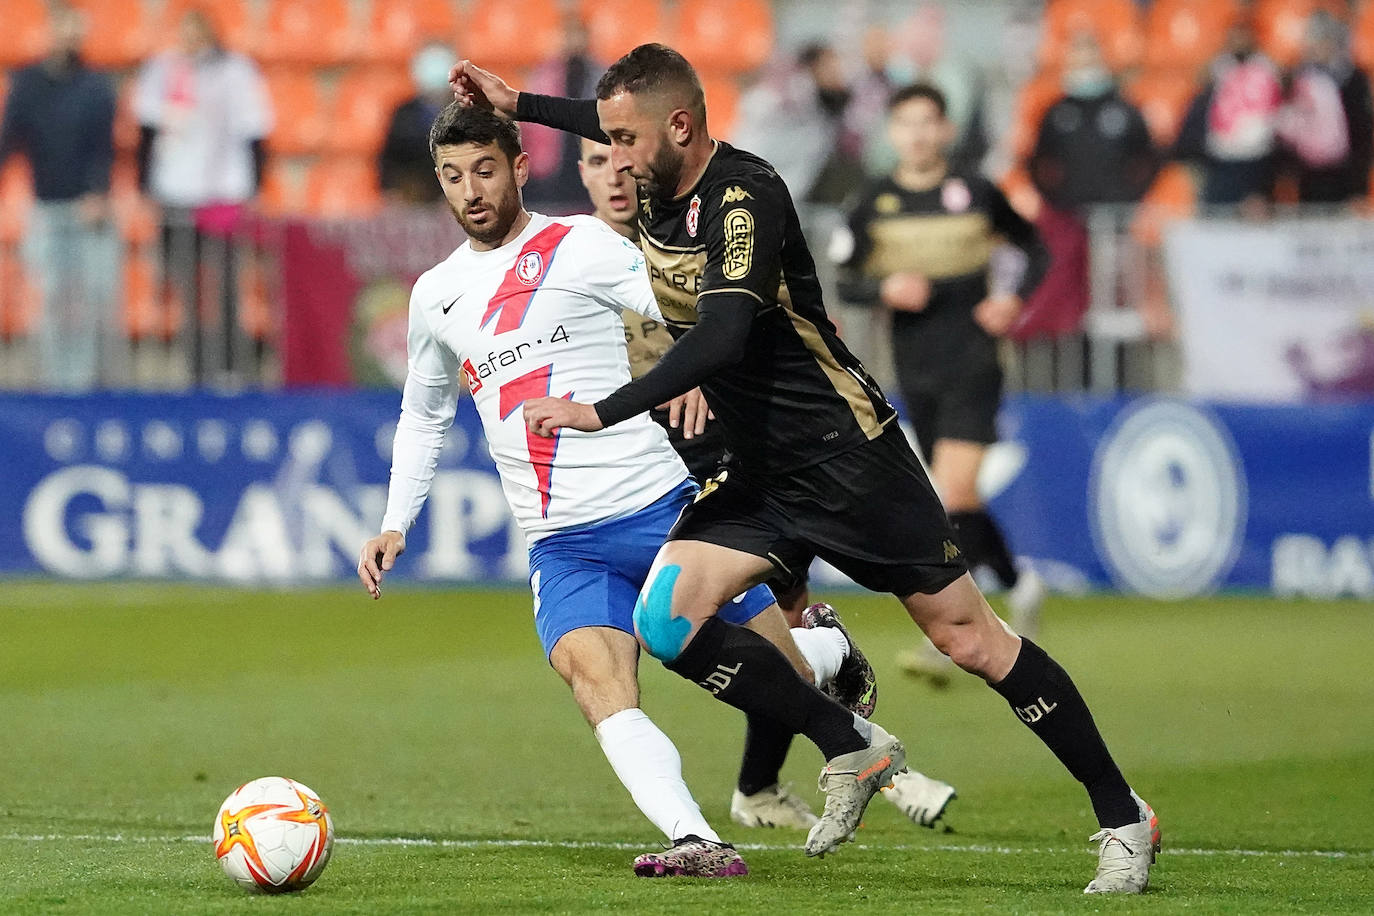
[1158,496]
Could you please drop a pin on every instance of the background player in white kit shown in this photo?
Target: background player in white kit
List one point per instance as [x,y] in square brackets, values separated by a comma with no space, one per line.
[530,306]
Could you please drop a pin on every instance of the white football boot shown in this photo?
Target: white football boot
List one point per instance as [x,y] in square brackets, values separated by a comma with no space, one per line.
[1024,601]
[849,782]
[919,797]
[1126,854]
[775,806]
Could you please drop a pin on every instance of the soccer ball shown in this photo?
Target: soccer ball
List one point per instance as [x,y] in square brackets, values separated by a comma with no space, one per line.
[273,835]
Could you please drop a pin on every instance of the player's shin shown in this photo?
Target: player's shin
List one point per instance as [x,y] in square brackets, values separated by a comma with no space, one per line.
[650,767]
[1044,697]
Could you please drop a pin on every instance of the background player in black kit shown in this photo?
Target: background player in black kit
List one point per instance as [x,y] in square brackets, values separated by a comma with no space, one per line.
[922,242]
[759,799]
[819,466]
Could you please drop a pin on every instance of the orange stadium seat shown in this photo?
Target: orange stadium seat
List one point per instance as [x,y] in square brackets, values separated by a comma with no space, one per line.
[234,22]
[281,193]
[1116,23]
[363,103]
[316,32]
[126,129]
[614,27]
[1021,194]
[26,32]
[1173,196]
[722,104]
[119,33]
[1186,34]
[396,28]
[1035,98]
[16,198]
[346,187]
[134,216]
[20,299]
[724,36]
[298,107]
[1163,97]
[1280,24]
[1362,35]
[510,35]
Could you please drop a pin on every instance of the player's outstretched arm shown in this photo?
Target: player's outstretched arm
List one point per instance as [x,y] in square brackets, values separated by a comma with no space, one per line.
[378,557]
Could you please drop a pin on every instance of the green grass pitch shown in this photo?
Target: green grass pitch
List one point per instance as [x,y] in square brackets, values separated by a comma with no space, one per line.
[462,778]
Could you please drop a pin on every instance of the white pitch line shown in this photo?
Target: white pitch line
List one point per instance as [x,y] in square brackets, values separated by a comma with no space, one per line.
[766,847]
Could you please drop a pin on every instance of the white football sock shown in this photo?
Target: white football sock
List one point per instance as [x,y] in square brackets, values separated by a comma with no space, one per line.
[824,649]
[650,767]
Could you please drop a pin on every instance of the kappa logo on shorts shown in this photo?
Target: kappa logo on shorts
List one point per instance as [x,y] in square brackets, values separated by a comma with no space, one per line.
[951,550]
[739,243]
[735,195]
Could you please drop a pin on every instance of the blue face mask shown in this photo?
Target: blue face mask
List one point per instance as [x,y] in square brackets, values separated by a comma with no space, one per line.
[430,69]
[1088,82]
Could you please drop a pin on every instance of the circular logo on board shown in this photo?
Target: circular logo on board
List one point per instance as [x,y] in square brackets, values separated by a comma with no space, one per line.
[530,268]
[1167,500]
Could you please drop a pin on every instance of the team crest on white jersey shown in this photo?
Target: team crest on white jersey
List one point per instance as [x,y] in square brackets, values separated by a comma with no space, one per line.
[693,216]
[530,268]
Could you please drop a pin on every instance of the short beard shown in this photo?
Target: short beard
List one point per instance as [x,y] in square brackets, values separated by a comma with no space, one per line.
[665,171]
[495,230]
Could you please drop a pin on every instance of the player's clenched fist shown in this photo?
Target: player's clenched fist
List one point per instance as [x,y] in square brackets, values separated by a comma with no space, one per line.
[545,416]
[378,556]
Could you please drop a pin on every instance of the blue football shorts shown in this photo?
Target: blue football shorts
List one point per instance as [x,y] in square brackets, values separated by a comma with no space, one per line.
[590,576]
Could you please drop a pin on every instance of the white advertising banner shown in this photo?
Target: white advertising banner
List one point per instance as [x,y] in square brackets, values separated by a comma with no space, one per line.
[1280,311]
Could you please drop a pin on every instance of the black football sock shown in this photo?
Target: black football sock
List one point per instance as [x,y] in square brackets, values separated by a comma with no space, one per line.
[766,744]
[1045,698]
[984,545]
[749,673]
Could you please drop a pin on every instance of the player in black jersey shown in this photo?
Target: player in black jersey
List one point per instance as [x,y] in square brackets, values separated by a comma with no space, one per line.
[922,242]
[760,799]
[817,464]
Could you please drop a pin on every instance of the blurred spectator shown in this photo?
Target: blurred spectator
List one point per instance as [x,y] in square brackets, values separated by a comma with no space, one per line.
[865,118]
[1093,148]
[792,116]
[1230,126]
[203,113]
[407,171]
[60,115]
[1327,123]
[555,183]
[922,54]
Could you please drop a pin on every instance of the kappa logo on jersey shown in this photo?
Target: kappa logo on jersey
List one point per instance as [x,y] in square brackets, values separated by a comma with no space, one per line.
[473,379]
[951,550]
[693,216]
[530,268]
[513,297]
[735,195]
[739,243]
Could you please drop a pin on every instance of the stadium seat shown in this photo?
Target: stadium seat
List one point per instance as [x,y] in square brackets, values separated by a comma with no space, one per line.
[1035,98]
[363,103]
[134,216]
[147,314]
[234,22]
[281,193]
[614,27]
[511,35]
[256,314]
[723,36]
[396,28]
[1280,24]
[1021,194]
[346,187]
[1186,34]
[1362,35]
[20,301]
[1173,196]
[722,104]
[1163,97]
[16,198]
[126,130]
[26,32]
[298,106]
[318,33]
[119,33]
[1116,23]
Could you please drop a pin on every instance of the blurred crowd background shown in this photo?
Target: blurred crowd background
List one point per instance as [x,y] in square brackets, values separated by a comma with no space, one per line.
[237,193]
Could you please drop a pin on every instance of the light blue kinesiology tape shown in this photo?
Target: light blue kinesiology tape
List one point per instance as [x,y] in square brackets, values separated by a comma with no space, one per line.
[663,634]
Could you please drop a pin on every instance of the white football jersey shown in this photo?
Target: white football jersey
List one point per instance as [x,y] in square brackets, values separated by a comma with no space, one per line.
[540,316]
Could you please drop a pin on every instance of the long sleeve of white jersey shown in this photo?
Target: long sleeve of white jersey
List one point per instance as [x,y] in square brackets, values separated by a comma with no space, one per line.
[616,273]
[427,407]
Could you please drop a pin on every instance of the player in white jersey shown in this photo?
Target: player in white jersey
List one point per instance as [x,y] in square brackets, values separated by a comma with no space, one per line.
[530,306]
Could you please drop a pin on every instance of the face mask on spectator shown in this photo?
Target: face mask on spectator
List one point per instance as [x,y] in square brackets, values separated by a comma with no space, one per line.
[430,69]
[1088,82]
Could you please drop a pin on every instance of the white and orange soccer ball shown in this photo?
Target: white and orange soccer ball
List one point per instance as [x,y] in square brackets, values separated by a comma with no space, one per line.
[273,835]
